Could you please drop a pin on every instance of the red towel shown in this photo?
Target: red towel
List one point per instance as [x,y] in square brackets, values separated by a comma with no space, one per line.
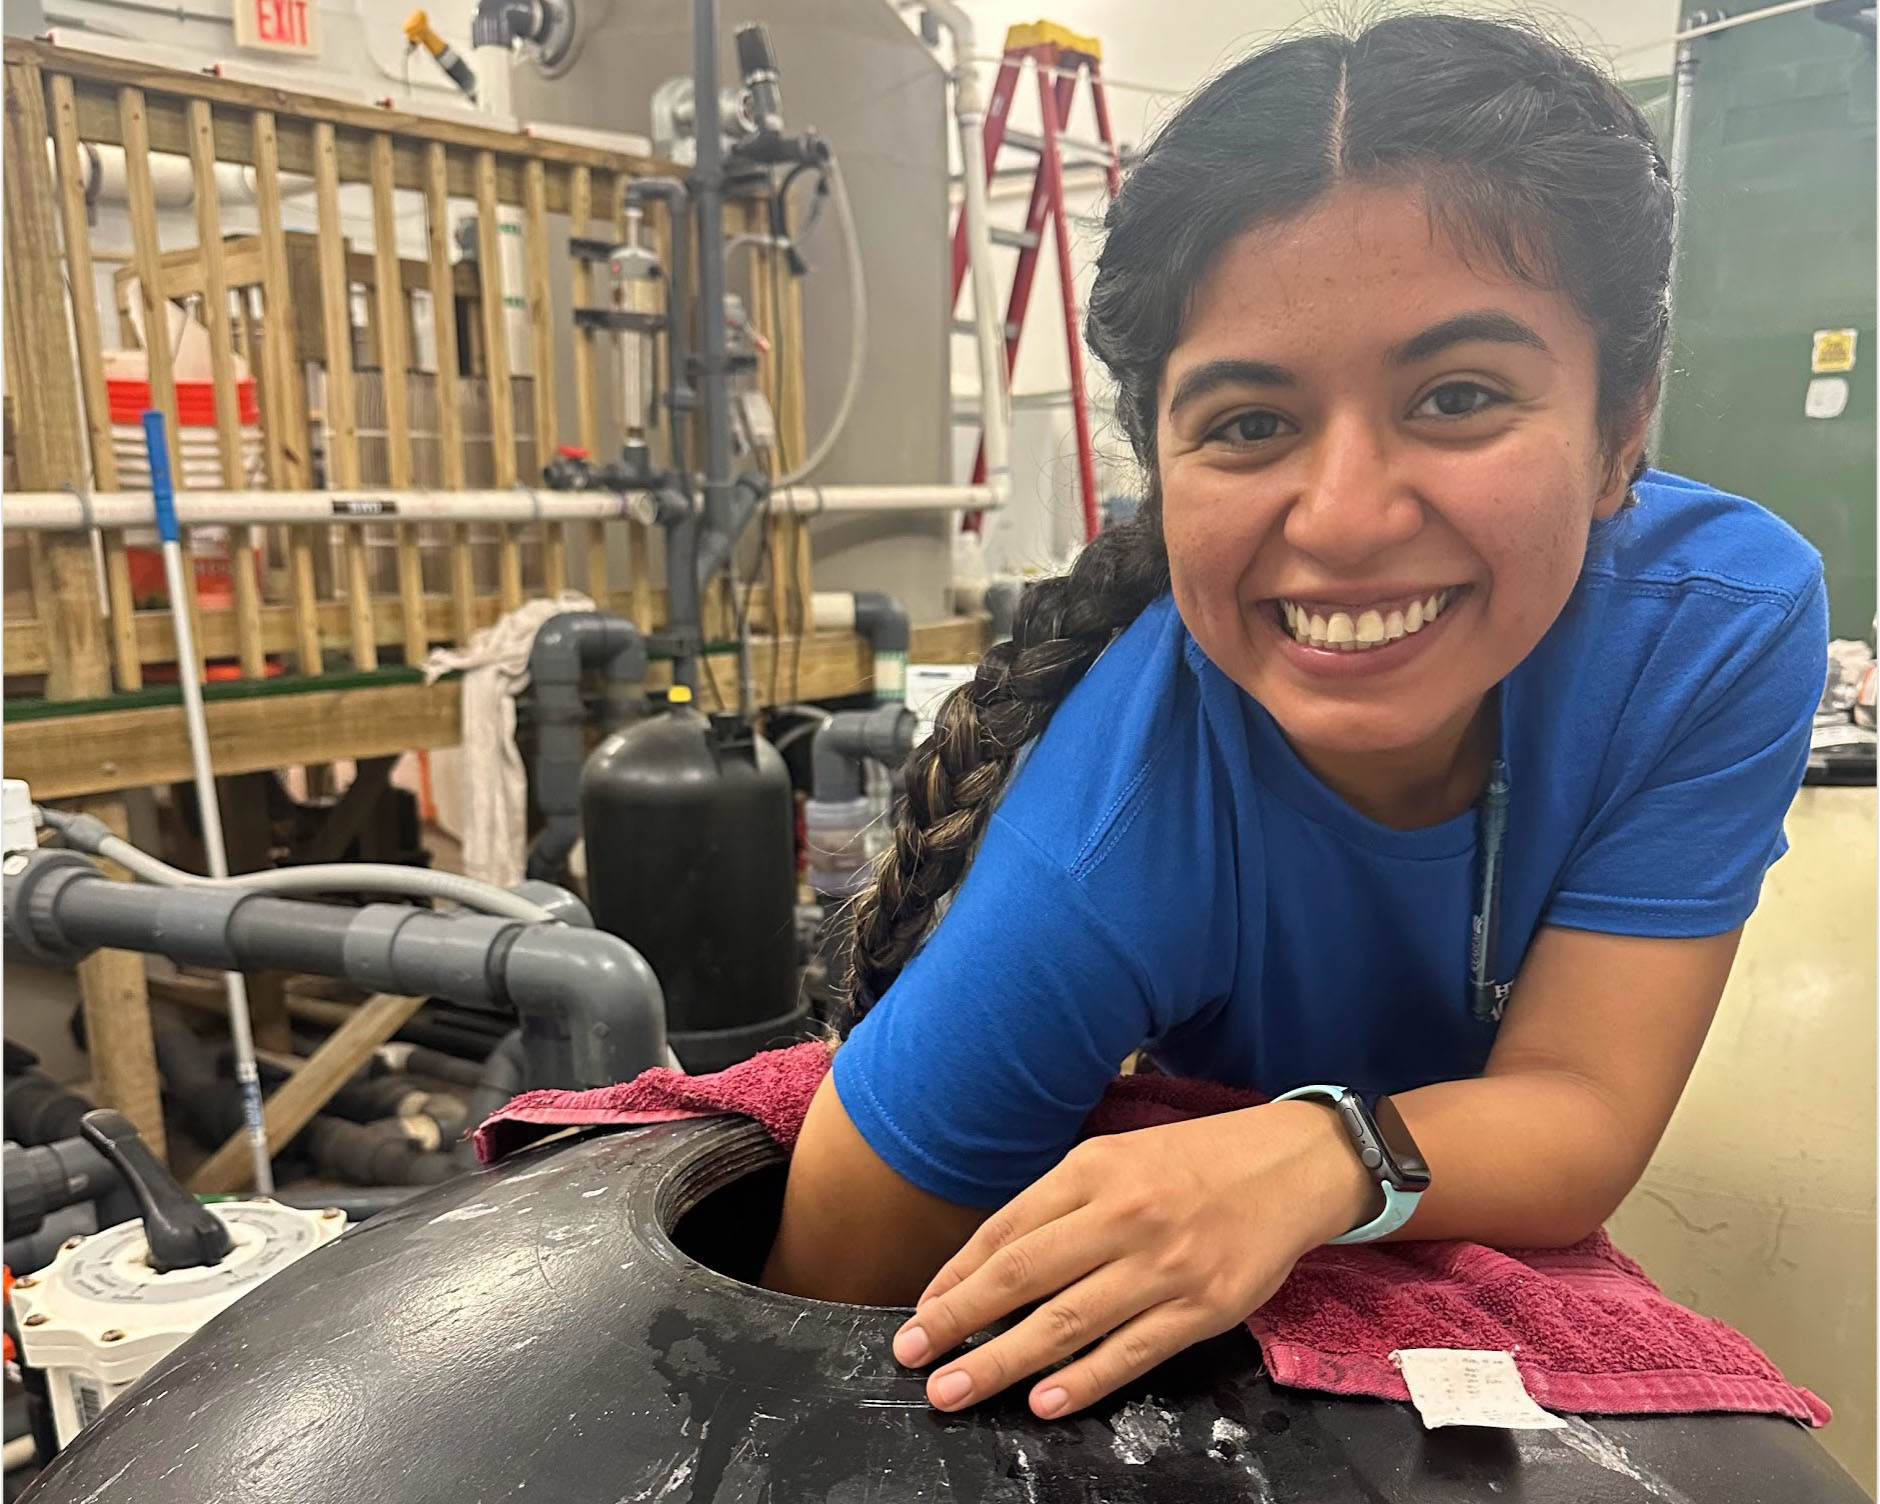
[1588,1331]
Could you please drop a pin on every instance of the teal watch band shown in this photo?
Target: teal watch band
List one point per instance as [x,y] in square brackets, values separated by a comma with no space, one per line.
[1398,1202]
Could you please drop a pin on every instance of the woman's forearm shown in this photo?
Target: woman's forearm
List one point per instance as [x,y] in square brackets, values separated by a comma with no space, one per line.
[1520,1160]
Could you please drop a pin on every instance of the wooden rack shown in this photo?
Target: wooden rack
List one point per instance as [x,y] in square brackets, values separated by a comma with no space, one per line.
[318,643]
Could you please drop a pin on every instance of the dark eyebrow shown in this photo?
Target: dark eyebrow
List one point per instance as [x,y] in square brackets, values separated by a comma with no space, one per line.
[1219,373]
[1483,324]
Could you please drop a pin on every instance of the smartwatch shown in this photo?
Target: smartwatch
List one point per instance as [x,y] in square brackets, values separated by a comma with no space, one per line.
[1382,1139]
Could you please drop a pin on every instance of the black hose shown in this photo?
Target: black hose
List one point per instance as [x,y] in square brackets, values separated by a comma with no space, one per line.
[375,1154]
[452,1068]
[39,1111]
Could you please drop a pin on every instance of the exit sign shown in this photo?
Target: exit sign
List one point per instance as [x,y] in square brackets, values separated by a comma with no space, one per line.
[278,26]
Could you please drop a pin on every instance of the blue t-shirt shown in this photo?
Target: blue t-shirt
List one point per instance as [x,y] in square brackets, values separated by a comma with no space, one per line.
[1165,873]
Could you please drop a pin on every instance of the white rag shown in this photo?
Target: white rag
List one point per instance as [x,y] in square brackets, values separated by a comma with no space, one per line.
[495,667]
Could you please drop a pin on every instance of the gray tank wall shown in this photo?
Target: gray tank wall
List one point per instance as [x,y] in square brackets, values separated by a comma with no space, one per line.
[852,70]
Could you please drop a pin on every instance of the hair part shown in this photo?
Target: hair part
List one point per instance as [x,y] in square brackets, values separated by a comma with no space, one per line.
[1525,153]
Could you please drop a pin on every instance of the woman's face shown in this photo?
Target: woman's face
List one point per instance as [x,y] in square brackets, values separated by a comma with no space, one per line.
[1379,465]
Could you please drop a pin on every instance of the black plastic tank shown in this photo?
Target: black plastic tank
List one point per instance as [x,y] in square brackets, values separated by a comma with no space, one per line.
[690,825]
[574,1325]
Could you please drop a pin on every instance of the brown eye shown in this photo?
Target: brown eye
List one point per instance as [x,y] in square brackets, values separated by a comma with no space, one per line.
[1250,428]
[1458,399]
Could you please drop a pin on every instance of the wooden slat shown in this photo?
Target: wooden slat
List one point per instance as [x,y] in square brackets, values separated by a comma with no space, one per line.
[228,432]
[289,457]
[305,1092]
[542,341]
[394,358]
[123,749]
[639,535]
[586,410]
[147,256]
[47,421]
[496,370]
[449,417]
[791,430]
[341,411]
[117,573]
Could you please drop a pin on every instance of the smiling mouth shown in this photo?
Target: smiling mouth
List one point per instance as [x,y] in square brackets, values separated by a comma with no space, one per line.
[1360,629]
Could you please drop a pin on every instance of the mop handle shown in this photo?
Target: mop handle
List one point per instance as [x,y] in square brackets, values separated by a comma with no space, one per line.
[162,492]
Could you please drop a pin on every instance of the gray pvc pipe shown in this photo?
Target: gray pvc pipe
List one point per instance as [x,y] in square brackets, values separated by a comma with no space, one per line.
[842,742]
[587,999]
[564,646]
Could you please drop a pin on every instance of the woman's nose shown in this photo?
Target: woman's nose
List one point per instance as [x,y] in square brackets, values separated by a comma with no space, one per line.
[1351,504]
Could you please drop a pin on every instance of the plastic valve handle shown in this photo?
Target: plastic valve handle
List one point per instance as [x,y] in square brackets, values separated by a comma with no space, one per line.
[180,1232]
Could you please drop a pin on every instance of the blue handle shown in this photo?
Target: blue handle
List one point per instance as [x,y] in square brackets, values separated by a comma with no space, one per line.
[162,494]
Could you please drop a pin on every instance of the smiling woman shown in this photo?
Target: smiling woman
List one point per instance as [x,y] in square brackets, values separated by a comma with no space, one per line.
[1413,758]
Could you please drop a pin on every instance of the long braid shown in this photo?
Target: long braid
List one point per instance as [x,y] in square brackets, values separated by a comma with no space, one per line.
[954,780]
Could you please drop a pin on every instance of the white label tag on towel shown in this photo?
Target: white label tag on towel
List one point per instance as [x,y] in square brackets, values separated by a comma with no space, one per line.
[1451,1387]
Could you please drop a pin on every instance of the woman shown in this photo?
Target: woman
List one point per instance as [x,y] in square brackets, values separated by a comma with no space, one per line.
[1416,745]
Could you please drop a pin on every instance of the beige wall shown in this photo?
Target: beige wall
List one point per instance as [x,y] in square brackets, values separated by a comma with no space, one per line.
[1758,1208]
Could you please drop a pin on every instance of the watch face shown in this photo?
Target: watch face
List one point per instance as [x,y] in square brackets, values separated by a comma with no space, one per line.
[1403,1163]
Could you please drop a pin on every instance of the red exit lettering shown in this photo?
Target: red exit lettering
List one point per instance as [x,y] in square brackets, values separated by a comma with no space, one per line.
[282,22]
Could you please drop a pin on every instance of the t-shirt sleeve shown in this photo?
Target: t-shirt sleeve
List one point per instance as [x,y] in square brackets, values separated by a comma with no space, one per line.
[972,1075]
[1684,853]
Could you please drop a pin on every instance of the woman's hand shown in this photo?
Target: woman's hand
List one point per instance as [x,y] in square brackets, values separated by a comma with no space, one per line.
[1142,1243]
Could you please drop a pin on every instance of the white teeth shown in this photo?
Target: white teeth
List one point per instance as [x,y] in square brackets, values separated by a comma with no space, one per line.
[1371,628]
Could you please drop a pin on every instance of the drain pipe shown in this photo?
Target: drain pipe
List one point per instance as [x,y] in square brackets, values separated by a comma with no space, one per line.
[563,647]
[880,618]
[590,1007]
[837,822]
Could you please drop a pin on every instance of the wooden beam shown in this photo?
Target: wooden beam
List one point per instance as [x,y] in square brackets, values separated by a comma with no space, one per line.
[341,411]
[141,195]
[394,358]
[120,749]
[290,446]
[496,371]
[96,68]
[90,340]
[228,431]
[542,348]
[449,414]
[305,1092]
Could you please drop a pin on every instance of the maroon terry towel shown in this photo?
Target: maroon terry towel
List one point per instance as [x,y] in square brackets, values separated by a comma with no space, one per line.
[1587,1329]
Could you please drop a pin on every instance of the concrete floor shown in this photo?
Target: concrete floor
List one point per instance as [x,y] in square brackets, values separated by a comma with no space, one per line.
[1758,1208]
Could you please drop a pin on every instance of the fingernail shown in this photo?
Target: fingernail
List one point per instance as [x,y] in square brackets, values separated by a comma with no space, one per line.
[911,1346]
[1051,1404]
[952,1388]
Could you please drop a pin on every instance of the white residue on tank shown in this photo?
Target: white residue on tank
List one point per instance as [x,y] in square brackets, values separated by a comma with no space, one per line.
[1229,1443]
[1021,1474]
[1597,1447]
[462,1214]
[599,1190]
[1142,1430]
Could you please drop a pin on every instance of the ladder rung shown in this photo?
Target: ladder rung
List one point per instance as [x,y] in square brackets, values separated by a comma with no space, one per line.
[967,326]
[1023,240]
[1068,146]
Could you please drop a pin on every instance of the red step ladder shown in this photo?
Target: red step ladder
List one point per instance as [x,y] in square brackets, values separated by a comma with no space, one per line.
[1059,57]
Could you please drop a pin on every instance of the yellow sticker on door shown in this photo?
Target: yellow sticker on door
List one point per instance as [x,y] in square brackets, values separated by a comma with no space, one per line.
[1833,351]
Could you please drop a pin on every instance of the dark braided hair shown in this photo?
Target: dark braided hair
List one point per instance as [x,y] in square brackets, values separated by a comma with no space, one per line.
[1525,155]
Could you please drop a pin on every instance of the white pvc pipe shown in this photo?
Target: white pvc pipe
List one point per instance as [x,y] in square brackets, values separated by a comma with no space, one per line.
[970,111]
[66,511]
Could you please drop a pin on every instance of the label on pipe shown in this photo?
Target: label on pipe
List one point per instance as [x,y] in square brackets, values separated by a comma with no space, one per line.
[364,506]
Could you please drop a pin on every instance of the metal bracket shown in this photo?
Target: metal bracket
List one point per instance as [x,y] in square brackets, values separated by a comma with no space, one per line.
[626,320]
